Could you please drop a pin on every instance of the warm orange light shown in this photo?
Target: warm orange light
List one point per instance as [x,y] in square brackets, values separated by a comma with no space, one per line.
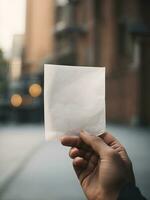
[16,100]
[35,90]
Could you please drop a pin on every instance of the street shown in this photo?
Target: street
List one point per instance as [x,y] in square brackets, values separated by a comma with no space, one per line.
[33,169]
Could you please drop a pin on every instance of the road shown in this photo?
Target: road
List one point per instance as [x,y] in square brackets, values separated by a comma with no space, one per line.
[33,169]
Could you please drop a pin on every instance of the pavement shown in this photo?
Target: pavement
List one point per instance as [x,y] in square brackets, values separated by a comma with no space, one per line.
[17,145]
[33,169]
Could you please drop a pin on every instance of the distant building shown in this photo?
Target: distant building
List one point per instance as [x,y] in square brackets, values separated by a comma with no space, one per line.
[38,48]
[39,34]
[16,57]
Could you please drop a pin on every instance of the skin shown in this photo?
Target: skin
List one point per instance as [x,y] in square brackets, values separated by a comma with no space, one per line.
[101,164]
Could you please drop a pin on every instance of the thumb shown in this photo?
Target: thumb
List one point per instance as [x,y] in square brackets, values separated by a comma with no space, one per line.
[96,143]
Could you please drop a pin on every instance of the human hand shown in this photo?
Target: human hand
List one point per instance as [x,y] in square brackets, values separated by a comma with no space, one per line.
[101,164]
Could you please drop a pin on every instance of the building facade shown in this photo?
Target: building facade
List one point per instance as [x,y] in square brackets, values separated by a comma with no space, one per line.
[114,34]
[39,34]
[110,33]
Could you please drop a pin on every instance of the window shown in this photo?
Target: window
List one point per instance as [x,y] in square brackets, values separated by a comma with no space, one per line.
[64,14]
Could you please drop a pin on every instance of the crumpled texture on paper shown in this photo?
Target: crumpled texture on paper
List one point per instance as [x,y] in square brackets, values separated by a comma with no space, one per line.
[74,100]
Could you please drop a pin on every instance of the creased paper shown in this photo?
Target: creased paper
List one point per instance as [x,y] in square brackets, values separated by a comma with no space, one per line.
[74,100]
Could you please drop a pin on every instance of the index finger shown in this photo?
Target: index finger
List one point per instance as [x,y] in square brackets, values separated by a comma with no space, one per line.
[71,141]
[74,141]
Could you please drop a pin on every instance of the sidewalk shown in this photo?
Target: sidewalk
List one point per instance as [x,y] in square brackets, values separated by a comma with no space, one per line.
[17,145]
[44,172]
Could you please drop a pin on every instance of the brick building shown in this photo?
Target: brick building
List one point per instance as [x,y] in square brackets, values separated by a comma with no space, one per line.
[114,34]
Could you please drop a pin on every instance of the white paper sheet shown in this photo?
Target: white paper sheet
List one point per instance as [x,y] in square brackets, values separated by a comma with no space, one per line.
[74,100]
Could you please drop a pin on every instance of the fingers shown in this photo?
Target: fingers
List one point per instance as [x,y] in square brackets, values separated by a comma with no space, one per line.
[116,145]
[84,168]
[71,141]
[79,164]
[74,141]
[89,156]
[112,142]
[96,143]
[88,142]
[109,139]
[75,152]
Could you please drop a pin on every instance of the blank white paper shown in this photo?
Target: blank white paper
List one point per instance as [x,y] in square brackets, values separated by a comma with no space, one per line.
[74,100]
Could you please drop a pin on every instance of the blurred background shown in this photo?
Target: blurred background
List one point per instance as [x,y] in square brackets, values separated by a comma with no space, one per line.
[111,33]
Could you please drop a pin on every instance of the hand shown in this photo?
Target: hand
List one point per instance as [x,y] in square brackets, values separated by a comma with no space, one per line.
[101,164]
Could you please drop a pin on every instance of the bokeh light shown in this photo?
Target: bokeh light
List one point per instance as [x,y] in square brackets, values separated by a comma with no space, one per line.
[35,90]
[16,100]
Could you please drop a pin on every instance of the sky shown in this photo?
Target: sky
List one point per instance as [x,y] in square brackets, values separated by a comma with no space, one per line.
[12,21]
